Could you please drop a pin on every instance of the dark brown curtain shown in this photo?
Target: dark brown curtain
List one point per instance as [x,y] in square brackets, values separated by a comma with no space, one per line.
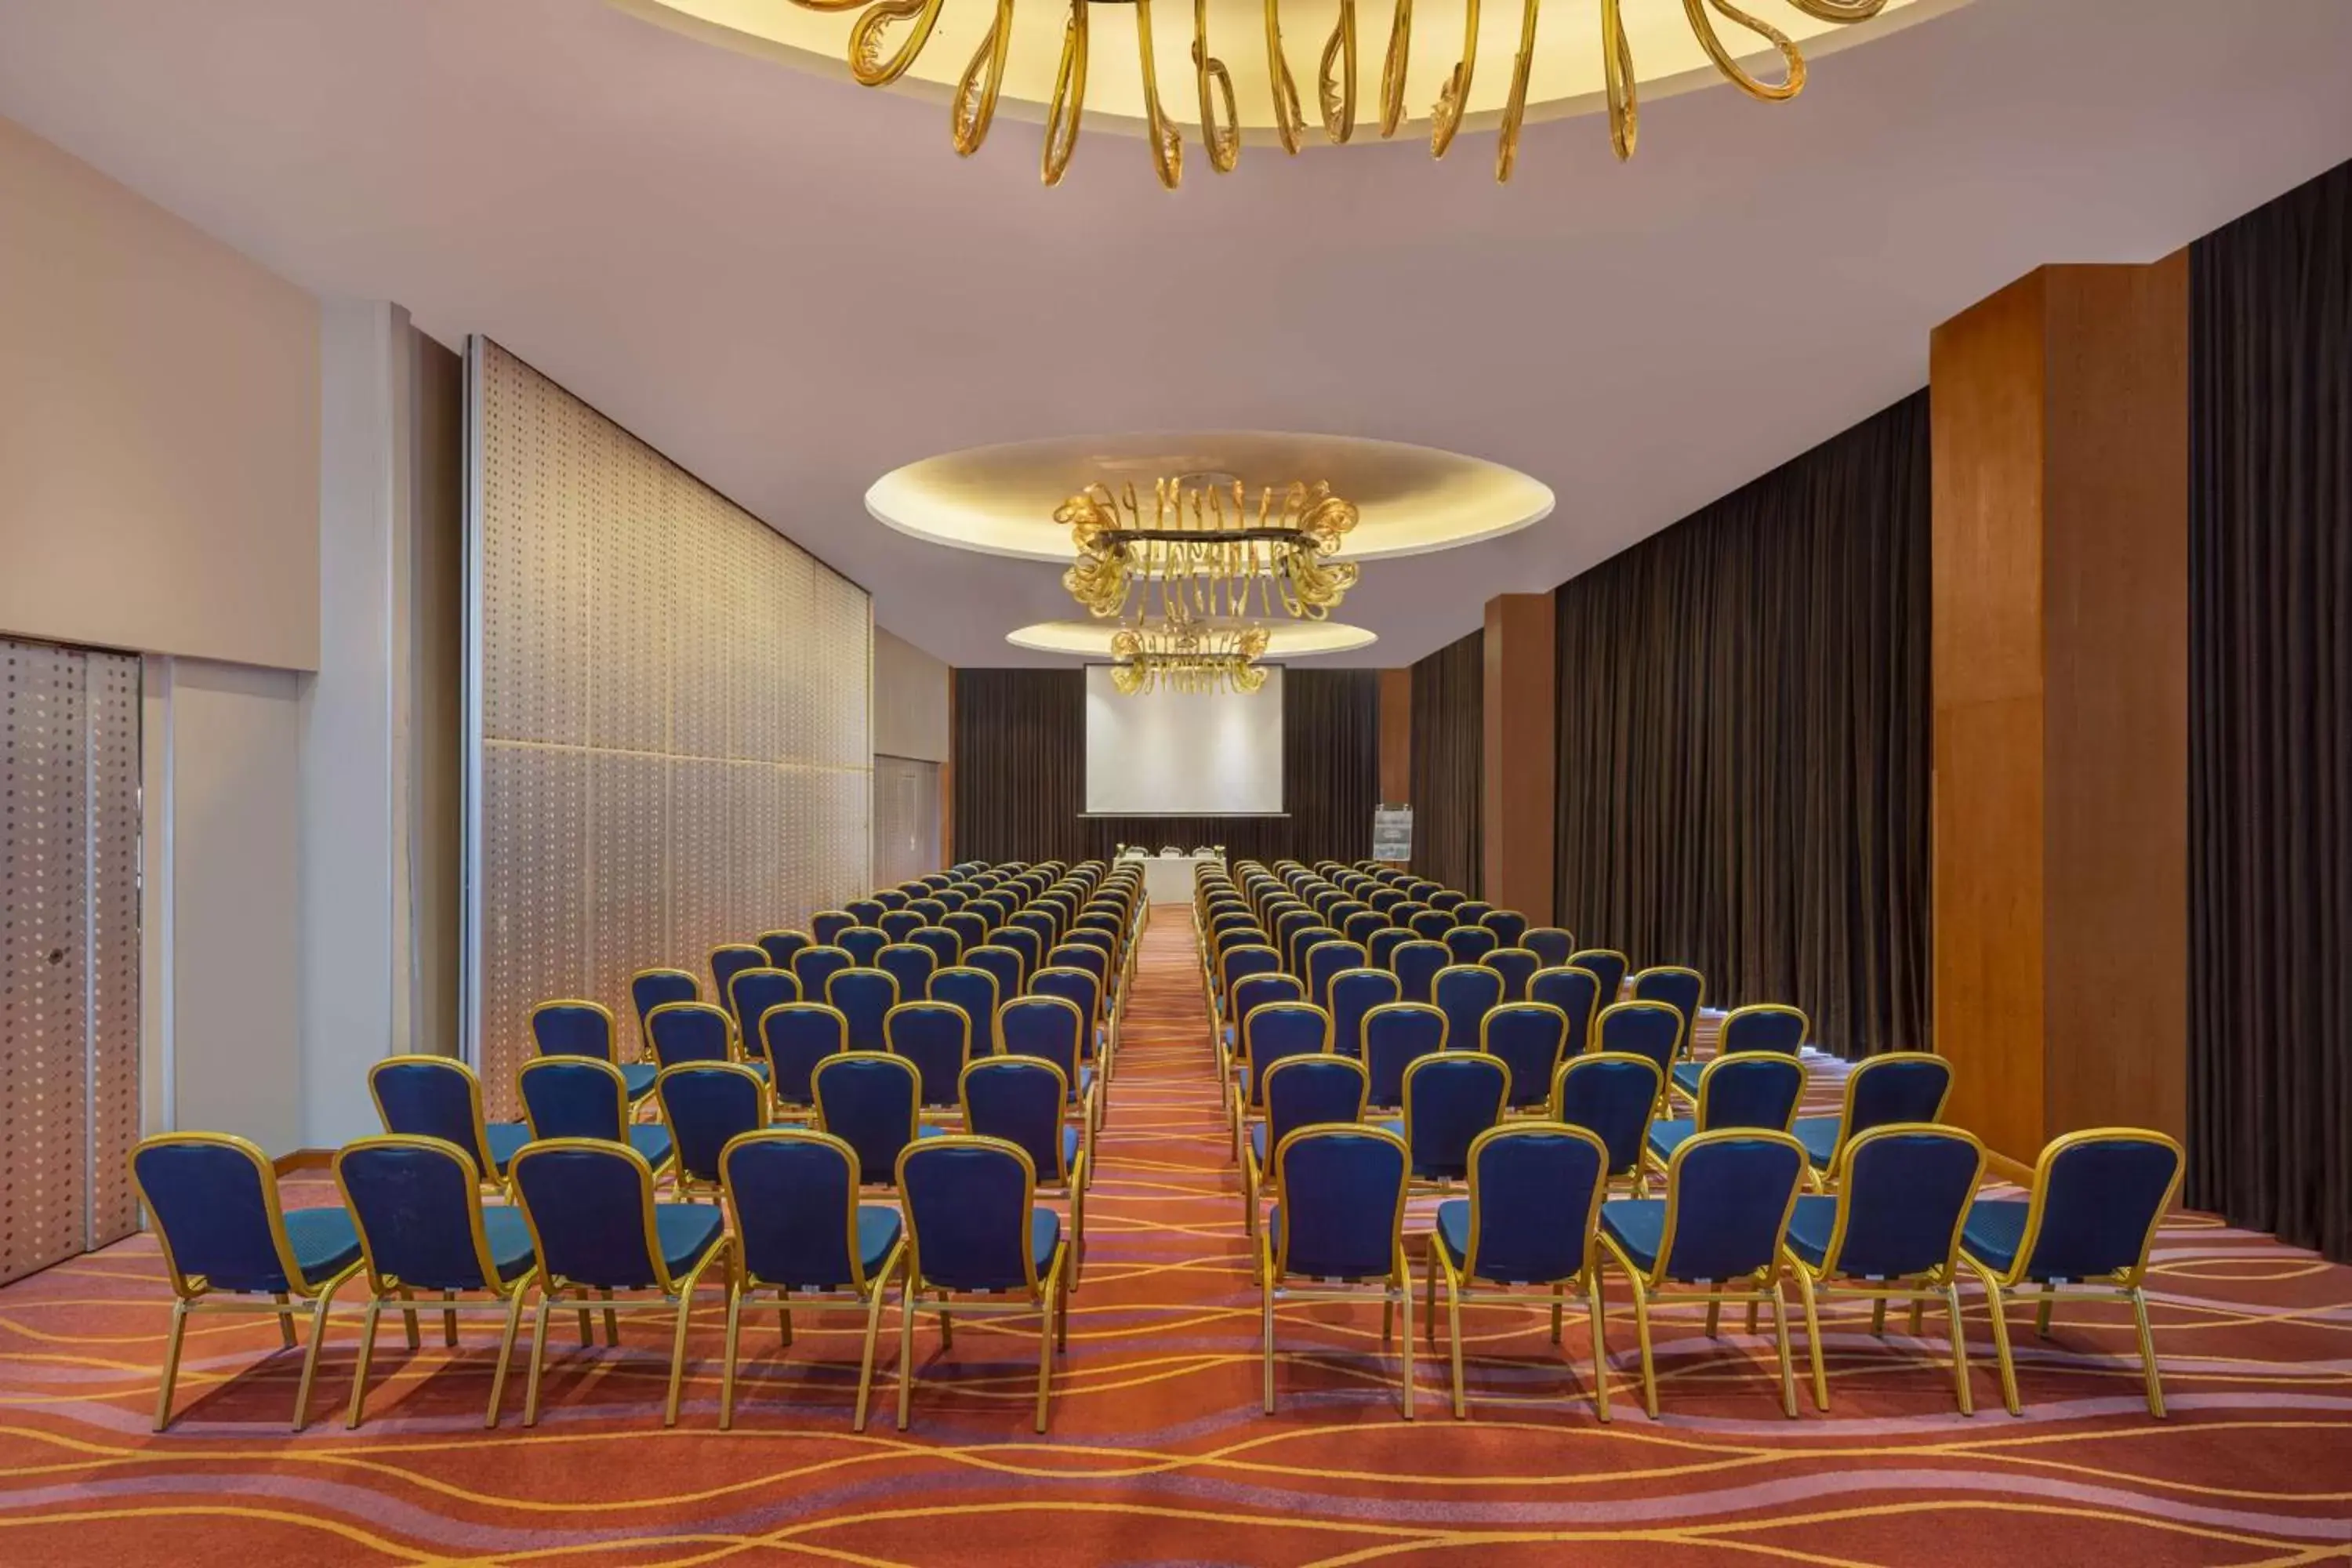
[1020,744]
[1744,732]
[1449,753]
[2270,714]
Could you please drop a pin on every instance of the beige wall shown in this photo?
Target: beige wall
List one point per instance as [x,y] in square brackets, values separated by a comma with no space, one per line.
[159,427]
[911,701]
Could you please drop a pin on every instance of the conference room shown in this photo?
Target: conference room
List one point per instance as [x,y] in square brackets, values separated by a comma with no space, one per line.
[1554,783]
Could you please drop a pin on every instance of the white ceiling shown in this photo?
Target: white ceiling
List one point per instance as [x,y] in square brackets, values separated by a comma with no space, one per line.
[792,285]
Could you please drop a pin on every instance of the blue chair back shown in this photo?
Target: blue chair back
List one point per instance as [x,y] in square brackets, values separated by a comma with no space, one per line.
[863,943]
[1518,967]
[1360,926]
[1449,1099]
[970,926]
[1023,1100]
[796,1037]
[1278,1030]
[650,988]
[1510,927]
[869,1101]
[945,947]
[1077,986]
[814,968]
[1471,912]
[941,903]
[1418,964]
[1023,941]
[794,1198]
[1255,991]
[1050,1028]
[1342,1208]
[1469,944]
[1379,948]
[1431,925]
[728,960]
[1238,963]
[1577,994]
[866,911]
[1649,1029]
[892,900]
[864,997]
[1527,1038]
[213,1199]
[971,992]
[575,1097]
[1549,943]
[1763,1027]
[1326,960]
[779,946]
[1728,1198]
[589,1207]
[1756,1089]
[1608,966]
[1683,990]
[899,925]
[1396,1036]
[2098,1197]
[1354,994]
[969,1202]
[416,1203]
[1002,964]
[753,992]
[706,1104]
[1305,940]
[1535,1198]
[1077,954]
[1312,1091]
[573,1028]
[433,1096]
[1447,898]
[911,966]
[1465,994]
[1900,1086]
[1905,1198]
[1042,920]
[937,1039]
[690,1032]
[1614,1095]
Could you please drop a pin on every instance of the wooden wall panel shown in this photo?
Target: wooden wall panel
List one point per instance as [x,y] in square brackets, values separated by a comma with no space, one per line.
[1396,736]
[1521,820]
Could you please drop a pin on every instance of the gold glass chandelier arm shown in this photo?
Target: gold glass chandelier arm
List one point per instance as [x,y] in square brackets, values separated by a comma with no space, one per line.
[1222,140]
[865,61]
[1167,146]
[1839,10]
[1446,118]
[1792,80]
[1392,69]
[975,96]
[1515,108]
[1335,77]
[1070,101]
[1617,59]
[1289,121]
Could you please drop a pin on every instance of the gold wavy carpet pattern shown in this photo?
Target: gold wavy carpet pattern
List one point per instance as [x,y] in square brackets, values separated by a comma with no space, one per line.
[1157,1454]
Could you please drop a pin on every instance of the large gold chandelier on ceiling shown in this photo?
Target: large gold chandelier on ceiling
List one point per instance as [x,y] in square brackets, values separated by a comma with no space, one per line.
[1202,555]
[875,61]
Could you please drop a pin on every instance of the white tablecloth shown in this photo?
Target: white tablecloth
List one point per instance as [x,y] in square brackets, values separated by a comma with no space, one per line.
[1168,879]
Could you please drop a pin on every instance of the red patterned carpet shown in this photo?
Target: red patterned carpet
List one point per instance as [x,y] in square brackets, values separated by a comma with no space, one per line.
[1157,1454]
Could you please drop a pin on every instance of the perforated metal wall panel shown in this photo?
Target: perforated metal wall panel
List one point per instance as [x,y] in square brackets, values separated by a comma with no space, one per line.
[68,951]
[674,722]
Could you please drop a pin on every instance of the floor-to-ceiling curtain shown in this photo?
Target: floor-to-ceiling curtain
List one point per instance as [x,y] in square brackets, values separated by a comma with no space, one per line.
[2270,801]
[1449,742]
[1744,727]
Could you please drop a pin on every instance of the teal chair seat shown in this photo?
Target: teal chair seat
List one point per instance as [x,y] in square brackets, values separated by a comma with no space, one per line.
[1995,1228]
[1818,1134]
[1639,1225]
[505,1138]
[1665,1137]
[509,1240]
[879,1229]
[1810,1227]
[1453,1229]
[1045,1235]
[1687,1076]
[653,1143]
[637,1078]
[325,1242]
[687,1232]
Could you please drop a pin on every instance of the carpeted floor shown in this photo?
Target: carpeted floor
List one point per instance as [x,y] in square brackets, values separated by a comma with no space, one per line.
[1158,1453]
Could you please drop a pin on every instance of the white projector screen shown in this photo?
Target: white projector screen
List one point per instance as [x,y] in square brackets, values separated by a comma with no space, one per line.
[1183,754]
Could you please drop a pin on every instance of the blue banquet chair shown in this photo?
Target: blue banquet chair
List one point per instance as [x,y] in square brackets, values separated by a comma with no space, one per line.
[911,966]
[1892,1233]
[1757,1088]
[863,944]
[1380,947]
[1051,1028]
[706,1104]
[872,1103]
[574,1027]
[1338,1232]
[801,1232]
[750,995]
[814,967]
[1509,926]
[580,1096]
[864,997]
[2084,1230]
[1614,1095]
[1529,1038]
[1083,990]
[779,946]
[1529,1223]
[417,1204]
[1760,1026]
[1716,1236]
[596,1226]
[690,1032]
[1023,941]
[972,993]
[866,911]
[728,960]
[1396,1036]
[945,947]
[1252,991]
[439,1097]
[1549,943]
[1471,912]
[1326,960]
[1270,1034]
[1465,994]
[1024,1102]
[975,1230]
[1649,1029]
[1431,925]
[970,927]
[230,1247]
[1469,944]
[1449,1099]
[650,988]
[1001,965]
[1354,994]
[1681,988]
[1879,1091]
[1519,968]
[1577,994]
[1608,966]
[794,1037]
[937,1039]
[901,924]
[1300,1091]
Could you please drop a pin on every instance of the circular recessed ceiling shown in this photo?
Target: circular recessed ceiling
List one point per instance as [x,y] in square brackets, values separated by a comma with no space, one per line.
[1565,70]
[1409,500]
[1285,639]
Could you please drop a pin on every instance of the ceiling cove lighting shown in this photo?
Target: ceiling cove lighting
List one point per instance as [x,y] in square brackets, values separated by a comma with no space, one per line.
[1236,81]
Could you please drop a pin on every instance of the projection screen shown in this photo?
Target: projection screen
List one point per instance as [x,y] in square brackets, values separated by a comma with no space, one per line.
[1169,754]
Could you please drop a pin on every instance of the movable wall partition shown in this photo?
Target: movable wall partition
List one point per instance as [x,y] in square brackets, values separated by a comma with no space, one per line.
[669,708]
[69,778]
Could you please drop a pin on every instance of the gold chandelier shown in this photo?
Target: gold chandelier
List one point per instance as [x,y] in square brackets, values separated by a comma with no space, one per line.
[875,62]
[1203,556]
[1187,658]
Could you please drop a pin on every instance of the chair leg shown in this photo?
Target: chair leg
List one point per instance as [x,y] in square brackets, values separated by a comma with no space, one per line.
[612,1322]
[727,1358]
[1402,1295]
[2000,1340]
[1454,1335]
[881,1289]
[1558,1300]
[506,1352]
[171,1362]
[285,1322]
[1807,1300]
[1751,1317]
[1048,1299]
[1649,1365]
[449,1320]
[1062,1318]
[947,1324]
[1959,1347]
[1780,1335]
[1714,1318]
[908,1295]
[1918,1316]
[1878,1317]
[1388,1319]
[1596,1313]
[1266,1292]
[587,1328]
[2148,1353]
[310,1356]
[1249,1198]
[1079,1225]
[677,1349]
[359,1372]
[408,1320]
[785,1316]
[538,1358]
[1428,1306]
[2041,1313]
